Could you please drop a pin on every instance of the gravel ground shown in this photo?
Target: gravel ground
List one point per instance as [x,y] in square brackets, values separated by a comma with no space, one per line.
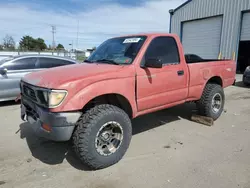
[167,150]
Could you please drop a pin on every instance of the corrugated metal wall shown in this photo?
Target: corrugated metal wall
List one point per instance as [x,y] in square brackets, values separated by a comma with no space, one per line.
[232,16]
[245,29]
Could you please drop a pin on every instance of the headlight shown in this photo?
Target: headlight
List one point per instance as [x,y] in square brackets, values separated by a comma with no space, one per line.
[54,98]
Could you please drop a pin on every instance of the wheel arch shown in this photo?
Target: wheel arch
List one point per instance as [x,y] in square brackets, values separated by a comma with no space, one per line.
[215,80]
[115,99]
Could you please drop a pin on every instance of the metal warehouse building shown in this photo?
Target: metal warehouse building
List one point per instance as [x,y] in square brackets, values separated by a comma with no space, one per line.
[214,29]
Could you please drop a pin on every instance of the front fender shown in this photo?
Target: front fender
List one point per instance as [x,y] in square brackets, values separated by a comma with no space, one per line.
[121,86]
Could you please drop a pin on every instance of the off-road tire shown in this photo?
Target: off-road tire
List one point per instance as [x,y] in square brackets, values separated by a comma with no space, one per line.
[204,105]
[87,128]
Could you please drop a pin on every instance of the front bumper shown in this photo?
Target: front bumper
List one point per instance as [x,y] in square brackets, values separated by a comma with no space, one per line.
[62,124]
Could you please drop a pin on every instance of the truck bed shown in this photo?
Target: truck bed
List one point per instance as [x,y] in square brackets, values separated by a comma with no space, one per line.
[193,58]
[200,72]
[205,60]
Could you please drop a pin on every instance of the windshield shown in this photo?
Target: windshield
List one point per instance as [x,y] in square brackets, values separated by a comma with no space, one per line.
[122,50]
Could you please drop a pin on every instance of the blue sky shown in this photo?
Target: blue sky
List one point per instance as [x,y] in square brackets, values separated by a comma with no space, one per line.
[75,5]
[98,19]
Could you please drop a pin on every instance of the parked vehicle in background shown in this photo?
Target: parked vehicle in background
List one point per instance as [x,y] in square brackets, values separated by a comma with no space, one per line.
[12,69]
[125,77]
[5,57]
[246,76]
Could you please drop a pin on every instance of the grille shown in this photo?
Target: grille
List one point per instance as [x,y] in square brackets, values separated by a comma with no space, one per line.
[29,92]
[31,112]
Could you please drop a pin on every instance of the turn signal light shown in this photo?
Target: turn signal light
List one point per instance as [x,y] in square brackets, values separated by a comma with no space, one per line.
[46,127]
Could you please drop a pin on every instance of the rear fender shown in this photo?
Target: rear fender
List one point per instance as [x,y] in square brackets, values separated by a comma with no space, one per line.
[195,92]
[211,79]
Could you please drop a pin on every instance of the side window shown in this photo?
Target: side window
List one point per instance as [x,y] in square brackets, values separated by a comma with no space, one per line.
[65,62]
[60,62]
[57,62]
[22,64]
[52,62]
[165,49]
[45,62]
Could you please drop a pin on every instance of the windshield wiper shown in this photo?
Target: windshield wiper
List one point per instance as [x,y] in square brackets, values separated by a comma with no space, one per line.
[87,61]
[108,61]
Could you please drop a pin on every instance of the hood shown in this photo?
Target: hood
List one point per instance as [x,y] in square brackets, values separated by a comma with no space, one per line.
[55,77]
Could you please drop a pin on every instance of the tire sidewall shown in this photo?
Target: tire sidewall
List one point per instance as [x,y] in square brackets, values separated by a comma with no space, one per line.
[99,122]
[217,90]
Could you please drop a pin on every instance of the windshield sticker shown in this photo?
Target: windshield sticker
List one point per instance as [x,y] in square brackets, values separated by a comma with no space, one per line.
[132,40]
[127,61]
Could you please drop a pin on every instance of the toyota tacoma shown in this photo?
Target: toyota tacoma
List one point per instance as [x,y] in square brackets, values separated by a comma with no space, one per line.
[92,103]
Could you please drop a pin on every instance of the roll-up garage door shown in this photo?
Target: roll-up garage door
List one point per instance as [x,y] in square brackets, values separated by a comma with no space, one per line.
[245,29]
[202,37]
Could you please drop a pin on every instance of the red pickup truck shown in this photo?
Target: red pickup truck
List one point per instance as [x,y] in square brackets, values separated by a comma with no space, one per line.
[93,103]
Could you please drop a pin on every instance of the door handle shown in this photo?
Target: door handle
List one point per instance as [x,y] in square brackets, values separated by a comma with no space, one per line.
[180,72]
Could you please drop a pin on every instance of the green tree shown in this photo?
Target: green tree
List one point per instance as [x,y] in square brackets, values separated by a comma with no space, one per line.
[40,44]
[60,46]
[29,43]
[8,42]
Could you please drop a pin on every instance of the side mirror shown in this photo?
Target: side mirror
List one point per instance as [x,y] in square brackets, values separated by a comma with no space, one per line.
[3,71]
[153,63]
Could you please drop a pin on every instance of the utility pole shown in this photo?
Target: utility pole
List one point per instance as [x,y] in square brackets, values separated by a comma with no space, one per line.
[77,34]
[53,36]
[71,44]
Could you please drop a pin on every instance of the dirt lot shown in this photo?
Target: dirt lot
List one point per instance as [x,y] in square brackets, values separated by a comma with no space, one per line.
[167,150]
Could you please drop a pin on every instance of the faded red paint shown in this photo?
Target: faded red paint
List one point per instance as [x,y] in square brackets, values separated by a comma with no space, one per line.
[147,90]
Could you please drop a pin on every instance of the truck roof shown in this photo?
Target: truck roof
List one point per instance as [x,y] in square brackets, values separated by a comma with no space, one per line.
[148,34]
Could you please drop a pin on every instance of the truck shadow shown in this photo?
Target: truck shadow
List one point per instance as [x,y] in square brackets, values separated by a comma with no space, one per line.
[241,84]
[9,103]
[49,152]
[160,118]
[53,153]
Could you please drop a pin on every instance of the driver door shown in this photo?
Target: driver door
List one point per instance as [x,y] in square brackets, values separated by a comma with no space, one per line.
[168,85]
